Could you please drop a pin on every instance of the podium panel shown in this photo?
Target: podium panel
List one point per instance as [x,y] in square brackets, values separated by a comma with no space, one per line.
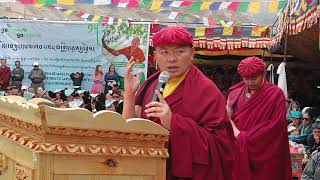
[46,143]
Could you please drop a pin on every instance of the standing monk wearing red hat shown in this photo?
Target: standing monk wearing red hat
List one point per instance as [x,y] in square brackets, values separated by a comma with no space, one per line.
[201,141]
[257,110]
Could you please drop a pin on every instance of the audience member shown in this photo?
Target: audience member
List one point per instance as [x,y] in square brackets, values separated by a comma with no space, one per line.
[17,75]
[98,80]
[37,76]
[77,79]
[112,79]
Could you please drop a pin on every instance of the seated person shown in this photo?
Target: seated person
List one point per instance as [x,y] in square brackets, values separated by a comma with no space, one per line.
[304,132]
[69,93]
[296,124]
[41,93]
[314,138]
[86,100]
[312,169]
[14,91]
[118,102]
[100,102]
[110,105]
[56,96]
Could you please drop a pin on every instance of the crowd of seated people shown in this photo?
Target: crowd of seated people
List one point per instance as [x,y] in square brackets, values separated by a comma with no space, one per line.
[71,98]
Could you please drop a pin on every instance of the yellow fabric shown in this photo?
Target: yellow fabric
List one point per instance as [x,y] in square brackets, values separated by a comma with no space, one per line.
[254,7]
[119,21]
[66,2]
[173,84]
[205,5]
[227,31]
[273,6]
[156,4]
[96,18]
[200,31]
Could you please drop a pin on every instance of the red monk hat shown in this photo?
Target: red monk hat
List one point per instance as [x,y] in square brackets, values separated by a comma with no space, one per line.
[172,35]
[251,66]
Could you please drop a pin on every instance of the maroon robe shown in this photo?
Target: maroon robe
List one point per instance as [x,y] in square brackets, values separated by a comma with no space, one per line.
[4,77]
[201,142]
[263,146]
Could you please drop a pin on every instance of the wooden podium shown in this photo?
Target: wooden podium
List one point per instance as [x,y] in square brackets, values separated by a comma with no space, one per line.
[45,143]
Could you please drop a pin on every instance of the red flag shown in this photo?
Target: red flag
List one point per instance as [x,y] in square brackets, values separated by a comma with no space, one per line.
[309,1]
[209,31]
[80,14]
[237,31]
[105,20]
[234,6]
[212,21]
[134,4]
[27,1]
[186,3]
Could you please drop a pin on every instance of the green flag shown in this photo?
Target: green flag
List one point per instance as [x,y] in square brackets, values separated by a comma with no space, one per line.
[243,7]
[145,3]
[282,4]
[47,2]
[196,6]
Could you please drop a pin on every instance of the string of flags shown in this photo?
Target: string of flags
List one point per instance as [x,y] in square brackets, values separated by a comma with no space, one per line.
[300,15]
[229,27]
[272,6]
[229,38]
[86,16]
[226,36]
[226,28]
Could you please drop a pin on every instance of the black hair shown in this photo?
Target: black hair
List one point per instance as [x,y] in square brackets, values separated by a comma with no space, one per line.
[312,113]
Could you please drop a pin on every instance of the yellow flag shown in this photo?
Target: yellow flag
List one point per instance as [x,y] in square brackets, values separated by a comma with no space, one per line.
[257,30]
[205,5]
[254,7]
[119,21]
[227,31]
[223,24]
[156,4]
[304,5]
[38,5]
[273,6]
[68,12]
[200,31]
[66,2]
[95,18]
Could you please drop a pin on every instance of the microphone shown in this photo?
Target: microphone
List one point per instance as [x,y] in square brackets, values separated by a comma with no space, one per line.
[162,81]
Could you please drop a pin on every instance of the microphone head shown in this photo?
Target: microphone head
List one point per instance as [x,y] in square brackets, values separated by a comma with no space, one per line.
[164,76]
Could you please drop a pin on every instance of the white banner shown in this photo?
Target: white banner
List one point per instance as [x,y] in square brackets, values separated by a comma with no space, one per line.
[62,48]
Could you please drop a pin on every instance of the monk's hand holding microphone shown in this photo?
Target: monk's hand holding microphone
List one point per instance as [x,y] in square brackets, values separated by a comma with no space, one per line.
[160,110]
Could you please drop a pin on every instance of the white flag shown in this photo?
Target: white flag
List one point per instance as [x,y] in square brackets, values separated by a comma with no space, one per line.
[224,5]
[122,5]
[176,3]
[85,15]
[102,2]
[110,20]
[173,15]
[229,24]
[205,21]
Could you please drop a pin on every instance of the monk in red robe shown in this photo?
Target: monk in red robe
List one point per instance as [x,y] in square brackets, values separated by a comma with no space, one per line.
[201,142]
[257,110]
[4,75]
